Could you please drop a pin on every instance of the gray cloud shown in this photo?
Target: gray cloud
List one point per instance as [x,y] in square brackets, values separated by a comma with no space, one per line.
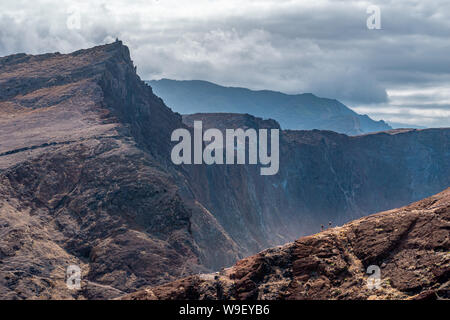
[320,46]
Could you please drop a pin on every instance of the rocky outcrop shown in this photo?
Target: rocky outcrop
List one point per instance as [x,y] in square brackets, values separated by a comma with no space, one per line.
[85,179]
[410,245]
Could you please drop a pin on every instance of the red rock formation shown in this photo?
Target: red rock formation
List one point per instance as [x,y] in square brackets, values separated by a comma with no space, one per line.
[324,176]
[86,179]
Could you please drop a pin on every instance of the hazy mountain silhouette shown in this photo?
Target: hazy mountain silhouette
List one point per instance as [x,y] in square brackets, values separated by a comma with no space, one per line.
[300,111]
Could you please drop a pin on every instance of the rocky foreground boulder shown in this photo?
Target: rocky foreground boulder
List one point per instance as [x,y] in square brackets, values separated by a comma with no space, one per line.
[410,245]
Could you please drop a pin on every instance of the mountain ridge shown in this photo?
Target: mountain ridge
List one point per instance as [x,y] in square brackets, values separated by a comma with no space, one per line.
[91,189]
[408,245]
[293,111]
[86,179]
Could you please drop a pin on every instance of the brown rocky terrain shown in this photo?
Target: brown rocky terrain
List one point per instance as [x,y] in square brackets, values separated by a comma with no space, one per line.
[86,179]
[410,245]
[324,176]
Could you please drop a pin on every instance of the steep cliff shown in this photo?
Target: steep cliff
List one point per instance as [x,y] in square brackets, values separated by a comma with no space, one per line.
[293,111]
[324,177]
[410,246]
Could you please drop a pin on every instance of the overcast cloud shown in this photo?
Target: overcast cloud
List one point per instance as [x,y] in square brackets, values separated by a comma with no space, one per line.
[400,73]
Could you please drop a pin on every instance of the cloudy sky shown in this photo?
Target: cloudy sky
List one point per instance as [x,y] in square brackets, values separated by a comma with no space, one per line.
[399,73]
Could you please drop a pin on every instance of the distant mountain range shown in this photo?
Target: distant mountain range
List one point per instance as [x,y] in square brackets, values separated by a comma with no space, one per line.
[298,112]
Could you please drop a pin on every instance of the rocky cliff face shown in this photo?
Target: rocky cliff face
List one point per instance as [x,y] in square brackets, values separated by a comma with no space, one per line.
[86,179]
[410,246]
